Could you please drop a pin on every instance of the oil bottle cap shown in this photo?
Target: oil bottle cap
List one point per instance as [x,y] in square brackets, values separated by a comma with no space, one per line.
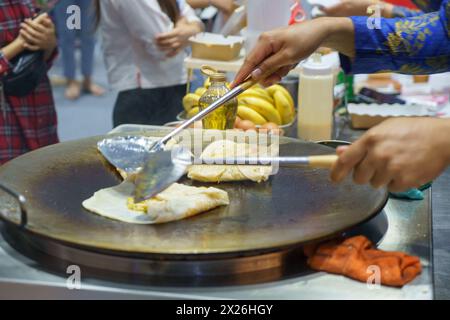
[213,74]
[316,66]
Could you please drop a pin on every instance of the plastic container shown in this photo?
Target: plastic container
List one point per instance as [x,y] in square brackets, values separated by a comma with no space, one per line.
[366,116]
[316,100]
[216,47]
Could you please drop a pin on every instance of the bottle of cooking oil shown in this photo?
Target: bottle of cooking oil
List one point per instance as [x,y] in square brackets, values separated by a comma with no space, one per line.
[225,116]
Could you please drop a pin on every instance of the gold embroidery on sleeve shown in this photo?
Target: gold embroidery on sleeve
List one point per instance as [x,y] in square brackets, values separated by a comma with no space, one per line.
[410,35]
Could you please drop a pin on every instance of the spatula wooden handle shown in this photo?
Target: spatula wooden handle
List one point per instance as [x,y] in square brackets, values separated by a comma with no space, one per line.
[323,162]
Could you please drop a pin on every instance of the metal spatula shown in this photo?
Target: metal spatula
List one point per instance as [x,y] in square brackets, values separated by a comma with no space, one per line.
[167,167]
[145,181]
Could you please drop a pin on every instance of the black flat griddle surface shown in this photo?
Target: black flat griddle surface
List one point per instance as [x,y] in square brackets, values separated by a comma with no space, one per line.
[294,207]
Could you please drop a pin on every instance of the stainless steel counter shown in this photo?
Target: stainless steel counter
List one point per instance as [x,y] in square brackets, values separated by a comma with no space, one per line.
[409,231]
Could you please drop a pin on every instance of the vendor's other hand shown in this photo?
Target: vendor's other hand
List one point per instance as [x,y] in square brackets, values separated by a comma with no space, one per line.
[399,153]
[280,50]
[39,34]
[349,8]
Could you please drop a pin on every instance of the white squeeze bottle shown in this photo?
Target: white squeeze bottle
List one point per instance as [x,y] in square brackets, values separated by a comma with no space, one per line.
[316,100]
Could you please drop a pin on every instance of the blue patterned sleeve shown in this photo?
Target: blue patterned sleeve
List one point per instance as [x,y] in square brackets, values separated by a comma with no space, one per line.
[415,45]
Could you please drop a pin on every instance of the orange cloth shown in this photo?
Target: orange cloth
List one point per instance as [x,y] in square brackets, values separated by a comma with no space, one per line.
[354,257]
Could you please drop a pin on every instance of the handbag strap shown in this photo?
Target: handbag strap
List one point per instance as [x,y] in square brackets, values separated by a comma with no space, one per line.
[3,103]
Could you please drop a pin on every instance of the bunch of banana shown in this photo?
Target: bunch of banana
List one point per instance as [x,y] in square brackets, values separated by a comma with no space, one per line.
[190,104]
[262,106]
[258,105]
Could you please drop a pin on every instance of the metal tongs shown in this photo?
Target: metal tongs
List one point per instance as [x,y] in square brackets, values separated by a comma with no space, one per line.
[167,167]
[145,181]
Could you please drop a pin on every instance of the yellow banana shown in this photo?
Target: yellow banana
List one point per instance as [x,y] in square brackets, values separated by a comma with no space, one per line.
[253,92]
[190,101]
[283,107]
[286,93]
[194,111]
[263,107]
[246,113]
[263,92]
[200,91]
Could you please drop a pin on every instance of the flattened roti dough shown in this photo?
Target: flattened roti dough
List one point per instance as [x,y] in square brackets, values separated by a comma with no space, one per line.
[175,203]
[228,173]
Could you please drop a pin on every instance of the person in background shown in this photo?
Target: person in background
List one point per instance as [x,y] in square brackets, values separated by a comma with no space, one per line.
[26,123]
[144,45]
[225,8]
[400,153]
[68,44]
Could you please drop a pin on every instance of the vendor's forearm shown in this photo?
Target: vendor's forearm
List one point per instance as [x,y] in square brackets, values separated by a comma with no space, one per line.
[387,10]
[446,144]
[340,35]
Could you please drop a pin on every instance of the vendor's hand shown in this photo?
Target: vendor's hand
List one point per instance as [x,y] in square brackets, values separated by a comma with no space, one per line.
[278,51]
[400,153]
[39,34]
[174,41]
[349,8]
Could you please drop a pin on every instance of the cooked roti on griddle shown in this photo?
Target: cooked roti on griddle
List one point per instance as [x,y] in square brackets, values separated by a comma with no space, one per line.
[229,173]
[175,203]
[179,201]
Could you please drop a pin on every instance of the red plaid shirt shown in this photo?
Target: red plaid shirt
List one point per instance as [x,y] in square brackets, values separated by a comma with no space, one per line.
[26,123]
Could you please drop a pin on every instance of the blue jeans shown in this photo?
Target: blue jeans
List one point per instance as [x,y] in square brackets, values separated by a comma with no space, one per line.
[67,38]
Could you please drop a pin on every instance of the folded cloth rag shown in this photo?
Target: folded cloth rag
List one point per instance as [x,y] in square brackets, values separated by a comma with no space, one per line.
[355,258]
[413,194]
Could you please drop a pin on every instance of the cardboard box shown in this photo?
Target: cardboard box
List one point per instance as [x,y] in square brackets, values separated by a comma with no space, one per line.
[366,116]
[212,46]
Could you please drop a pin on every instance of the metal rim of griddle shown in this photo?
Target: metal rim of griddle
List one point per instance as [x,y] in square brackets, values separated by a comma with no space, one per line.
[266,267]
[56,257]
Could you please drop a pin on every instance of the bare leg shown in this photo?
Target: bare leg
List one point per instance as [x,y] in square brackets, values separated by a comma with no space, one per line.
[92,88]
[73,90]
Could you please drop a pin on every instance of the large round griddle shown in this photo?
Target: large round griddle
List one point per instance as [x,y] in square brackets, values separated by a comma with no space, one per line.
[295,207]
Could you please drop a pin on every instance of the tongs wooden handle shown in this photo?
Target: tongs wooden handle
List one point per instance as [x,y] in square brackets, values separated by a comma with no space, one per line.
[323,162]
